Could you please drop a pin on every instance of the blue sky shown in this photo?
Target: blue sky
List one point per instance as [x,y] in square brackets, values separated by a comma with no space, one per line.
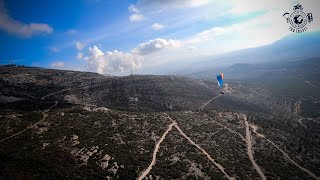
[113,36]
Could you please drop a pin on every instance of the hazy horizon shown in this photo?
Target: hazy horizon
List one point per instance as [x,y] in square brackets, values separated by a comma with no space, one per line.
[150,37]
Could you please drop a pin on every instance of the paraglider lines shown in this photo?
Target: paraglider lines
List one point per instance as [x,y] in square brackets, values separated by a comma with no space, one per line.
[208,102]
[226,87]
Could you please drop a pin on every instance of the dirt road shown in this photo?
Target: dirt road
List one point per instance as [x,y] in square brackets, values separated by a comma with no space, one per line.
[250,151]
[31,126]
[311,84]
[156,149]
[286,155]
[44,97]
[309,119]
[219,166]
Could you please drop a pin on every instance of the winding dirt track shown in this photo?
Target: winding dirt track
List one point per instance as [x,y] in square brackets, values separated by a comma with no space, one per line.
[31,126]
[230,130]
[156,149]
[44,112]
[309,119]
[292,161]
[248,141]
[250,151]
[44,97]
[286,155]
[311,84]
[220,167]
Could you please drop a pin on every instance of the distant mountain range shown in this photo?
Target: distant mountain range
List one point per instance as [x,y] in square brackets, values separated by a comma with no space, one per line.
[289,48]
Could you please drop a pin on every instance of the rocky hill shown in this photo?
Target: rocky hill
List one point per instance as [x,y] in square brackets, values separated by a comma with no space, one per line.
[78,125]
[128,93]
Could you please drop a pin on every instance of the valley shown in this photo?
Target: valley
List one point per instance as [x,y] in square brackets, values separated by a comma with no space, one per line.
[68,124]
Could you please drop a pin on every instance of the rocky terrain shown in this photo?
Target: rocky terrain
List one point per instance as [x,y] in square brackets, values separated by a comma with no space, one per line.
[78,125]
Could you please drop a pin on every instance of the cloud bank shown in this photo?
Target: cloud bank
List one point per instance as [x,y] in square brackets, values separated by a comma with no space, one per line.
[136,17]
[111,61]
[15,27]
[171,3]
[79,45]
[57,65]
[117,61]
[157,26]
[155,45]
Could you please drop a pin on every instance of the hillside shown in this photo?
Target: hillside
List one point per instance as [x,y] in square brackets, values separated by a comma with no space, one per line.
[78,125]
[128,93]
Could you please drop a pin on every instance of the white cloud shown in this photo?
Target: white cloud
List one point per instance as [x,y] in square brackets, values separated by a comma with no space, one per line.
[172,3]
[155,45]
[136,17]
[112,61]
[115,62]
[206,35]
[133,9]
[262,30]
[196,3]
[72,31]
[15,27]
[270,27]
[54,49]
[157,26]
[251,29]
[79,55]
[247,6]
[79,45]
[57,65]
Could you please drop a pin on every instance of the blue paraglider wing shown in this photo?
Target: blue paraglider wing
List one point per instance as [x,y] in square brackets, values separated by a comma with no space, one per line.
[220,80]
